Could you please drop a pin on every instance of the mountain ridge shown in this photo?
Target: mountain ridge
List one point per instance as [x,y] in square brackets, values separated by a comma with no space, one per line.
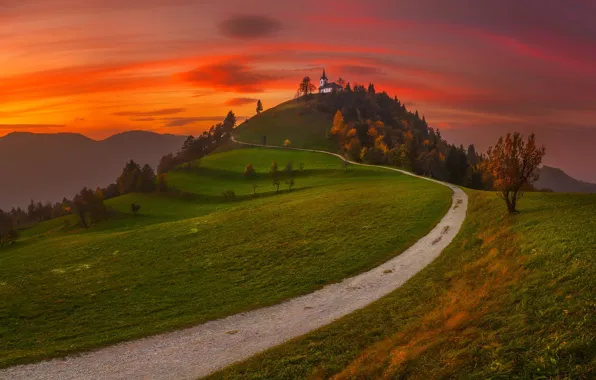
[70,161]
[557,180]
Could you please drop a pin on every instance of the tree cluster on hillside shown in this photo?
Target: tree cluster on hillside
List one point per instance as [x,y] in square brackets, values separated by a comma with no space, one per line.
[87,204]
[195,148]
[372,127]
[8,230]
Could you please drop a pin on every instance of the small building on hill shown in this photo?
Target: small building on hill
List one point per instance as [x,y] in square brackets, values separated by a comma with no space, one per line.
[327,87]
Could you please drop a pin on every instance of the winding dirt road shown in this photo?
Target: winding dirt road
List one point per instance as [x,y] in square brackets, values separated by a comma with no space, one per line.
[203,349]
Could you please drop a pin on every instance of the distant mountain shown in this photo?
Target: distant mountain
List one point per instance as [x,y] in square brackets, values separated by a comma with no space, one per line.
[558,181]
[48,167]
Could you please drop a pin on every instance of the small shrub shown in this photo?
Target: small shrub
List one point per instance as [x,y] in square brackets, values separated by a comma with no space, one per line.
[289,169]
[229,195]
[135,208]
[249,171]
[301,167]
[287,143]
[273,169]
[290,183]
[276,183]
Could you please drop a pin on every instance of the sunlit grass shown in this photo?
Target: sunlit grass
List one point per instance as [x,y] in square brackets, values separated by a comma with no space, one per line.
[300,122]
[188,259]
[512,297]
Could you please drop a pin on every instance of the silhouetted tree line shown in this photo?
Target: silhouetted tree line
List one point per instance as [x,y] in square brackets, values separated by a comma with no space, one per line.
[87,204]
[198,147]
[375,128]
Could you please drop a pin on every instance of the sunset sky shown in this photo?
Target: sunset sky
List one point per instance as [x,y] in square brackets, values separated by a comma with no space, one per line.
[475,69]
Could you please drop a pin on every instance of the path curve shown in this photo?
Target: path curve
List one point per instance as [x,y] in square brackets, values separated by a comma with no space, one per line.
[204,349]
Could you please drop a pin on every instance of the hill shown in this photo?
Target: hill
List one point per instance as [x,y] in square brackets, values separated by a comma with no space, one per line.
[302,122]
[48,167]
[511,297]
[560,182]
[195,255]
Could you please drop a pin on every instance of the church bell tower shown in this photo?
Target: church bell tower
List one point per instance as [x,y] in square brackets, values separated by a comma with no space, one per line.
[324,79]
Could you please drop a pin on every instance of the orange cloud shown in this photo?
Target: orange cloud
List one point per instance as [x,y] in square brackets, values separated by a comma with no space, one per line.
[228,76]
[240,101]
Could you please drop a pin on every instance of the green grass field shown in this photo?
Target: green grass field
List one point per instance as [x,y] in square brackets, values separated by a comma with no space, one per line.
[300,122]
[188,259]
[512,297]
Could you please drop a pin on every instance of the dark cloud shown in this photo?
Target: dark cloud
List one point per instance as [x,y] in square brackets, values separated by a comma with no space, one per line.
[228,76]
[240,101]
[360,70]
[162,112]
[249,27]
[144,119]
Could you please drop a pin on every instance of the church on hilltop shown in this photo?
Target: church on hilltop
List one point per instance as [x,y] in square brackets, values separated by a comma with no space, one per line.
[327,87]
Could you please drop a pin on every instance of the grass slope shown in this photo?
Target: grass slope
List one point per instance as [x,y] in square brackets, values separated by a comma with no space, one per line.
[512,297]
[300,122]
[187,260]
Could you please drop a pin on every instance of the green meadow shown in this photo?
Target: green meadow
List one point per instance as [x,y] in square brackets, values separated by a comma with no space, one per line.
[301,123]
[194,256]
[511,297]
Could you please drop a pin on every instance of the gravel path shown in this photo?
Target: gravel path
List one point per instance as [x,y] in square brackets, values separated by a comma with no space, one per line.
[203,349]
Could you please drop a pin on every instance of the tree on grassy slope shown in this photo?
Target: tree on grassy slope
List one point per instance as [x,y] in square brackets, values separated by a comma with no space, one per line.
[259,107]
[513,165]
[7,232]
[306,87]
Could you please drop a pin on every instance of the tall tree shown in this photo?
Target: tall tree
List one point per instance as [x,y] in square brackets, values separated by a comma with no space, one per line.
[472,156]
[229,123]
[130,177]
[512,164]
[259,106]
[306,87]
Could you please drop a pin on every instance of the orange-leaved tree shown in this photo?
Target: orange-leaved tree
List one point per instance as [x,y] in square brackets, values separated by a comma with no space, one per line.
[511,165]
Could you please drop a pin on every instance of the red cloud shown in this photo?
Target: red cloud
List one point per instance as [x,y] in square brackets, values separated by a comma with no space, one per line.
[228,76]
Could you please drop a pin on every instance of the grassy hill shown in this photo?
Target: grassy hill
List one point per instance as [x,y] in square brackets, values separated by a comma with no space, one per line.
[300,122]
[195,257]
[512,297]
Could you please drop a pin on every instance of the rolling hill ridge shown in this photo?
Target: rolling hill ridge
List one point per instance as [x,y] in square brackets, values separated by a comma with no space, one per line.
[71,161]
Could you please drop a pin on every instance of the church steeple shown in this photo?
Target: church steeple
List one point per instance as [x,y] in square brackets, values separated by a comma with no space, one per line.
[324,79]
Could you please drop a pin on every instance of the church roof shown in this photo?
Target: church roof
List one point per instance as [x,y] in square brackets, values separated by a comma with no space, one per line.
[331,85]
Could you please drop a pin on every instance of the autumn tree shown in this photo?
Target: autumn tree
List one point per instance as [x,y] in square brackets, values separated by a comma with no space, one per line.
[339,125]
[287,143]
[259,106]
[306,87]
[512,164]
[273,169]
[249,171]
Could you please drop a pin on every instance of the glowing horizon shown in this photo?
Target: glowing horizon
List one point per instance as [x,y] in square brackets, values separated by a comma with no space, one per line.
[475,71]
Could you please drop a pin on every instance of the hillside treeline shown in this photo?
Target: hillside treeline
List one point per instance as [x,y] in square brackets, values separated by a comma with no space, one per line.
[195,148]
[87,204]
[375,128]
